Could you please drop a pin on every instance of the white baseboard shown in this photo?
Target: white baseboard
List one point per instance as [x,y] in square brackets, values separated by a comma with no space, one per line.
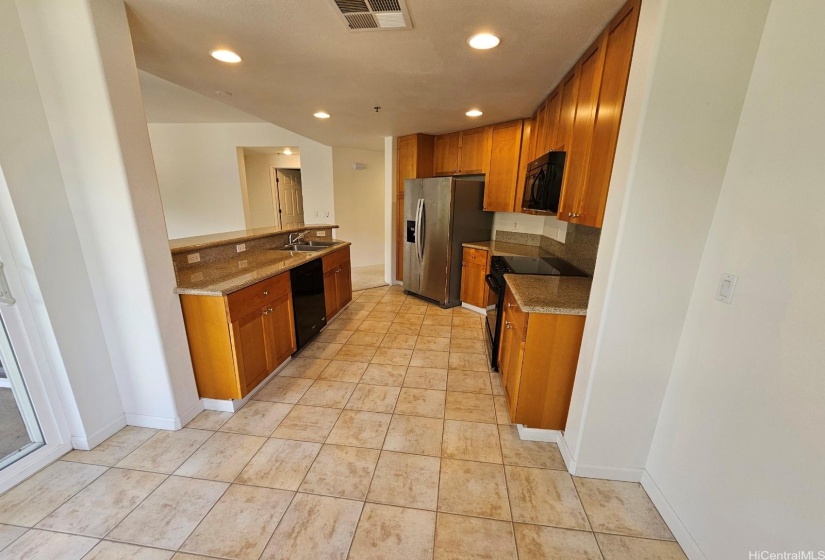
[535,434]
[479,310]
[104,433]
[191,412]
[234,405]
[156,422]
[680,532]
[596,471]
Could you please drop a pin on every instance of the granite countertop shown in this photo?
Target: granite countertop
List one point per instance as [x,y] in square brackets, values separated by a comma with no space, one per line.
[189,244]
[499,248]
[230,275]
[557,295]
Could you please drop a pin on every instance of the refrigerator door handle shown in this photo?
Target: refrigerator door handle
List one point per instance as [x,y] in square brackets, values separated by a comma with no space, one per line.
[419,233]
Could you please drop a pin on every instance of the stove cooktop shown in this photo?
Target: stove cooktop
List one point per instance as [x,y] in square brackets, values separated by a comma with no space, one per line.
[545,266]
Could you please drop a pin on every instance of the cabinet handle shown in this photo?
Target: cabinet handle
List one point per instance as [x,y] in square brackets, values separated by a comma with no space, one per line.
[266,293]
[509,304]
[266,312]
[508,325]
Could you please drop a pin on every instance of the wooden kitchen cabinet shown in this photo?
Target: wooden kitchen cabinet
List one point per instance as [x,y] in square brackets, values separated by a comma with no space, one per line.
[446,154]
[502,180]
[475,266]
[337,281]
[474,151]
[537,359]
[414,161]
[237,340]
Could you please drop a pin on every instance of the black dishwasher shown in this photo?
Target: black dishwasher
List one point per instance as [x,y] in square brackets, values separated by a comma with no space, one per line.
[308,302]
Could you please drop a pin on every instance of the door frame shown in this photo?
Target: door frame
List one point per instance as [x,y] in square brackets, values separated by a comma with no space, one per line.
[276,198]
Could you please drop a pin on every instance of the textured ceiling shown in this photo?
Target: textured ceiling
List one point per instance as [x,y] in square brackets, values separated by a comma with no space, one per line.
[298,58]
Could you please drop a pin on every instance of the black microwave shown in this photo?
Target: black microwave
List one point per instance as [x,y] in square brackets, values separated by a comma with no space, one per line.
[542,184]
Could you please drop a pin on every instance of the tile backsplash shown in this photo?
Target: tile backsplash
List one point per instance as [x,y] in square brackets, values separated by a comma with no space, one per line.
[579,249]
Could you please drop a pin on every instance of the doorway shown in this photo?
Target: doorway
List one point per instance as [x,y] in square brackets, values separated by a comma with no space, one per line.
[288,195]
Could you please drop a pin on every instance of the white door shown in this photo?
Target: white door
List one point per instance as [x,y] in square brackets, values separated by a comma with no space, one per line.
[290,196]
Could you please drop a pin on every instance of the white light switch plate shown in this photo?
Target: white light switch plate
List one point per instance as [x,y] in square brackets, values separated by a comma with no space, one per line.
[320,234]
[240,247]
[193,258]
[726,287]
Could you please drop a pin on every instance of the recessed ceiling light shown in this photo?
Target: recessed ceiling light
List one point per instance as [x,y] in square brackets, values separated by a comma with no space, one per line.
[225,56]
[484,41]
[473,113]
[287,152]
[322,115]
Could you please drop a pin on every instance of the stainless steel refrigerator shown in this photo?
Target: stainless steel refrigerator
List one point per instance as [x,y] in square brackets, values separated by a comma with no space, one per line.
[440,214]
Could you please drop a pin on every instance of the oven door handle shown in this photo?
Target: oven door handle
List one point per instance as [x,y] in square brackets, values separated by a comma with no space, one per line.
[492,281]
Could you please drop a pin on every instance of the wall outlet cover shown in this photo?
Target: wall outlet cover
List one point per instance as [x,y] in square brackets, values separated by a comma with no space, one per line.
[320,234]
[240,247]
[193,258]
[242,264]
[726,287]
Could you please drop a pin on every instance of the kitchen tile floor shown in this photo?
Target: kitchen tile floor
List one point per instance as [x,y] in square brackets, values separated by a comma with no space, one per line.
[387,437]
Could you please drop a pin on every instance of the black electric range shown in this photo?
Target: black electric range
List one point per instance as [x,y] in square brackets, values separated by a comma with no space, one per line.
[499,266]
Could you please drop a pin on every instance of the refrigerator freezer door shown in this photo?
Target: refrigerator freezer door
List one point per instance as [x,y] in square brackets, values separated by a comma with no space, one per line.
[436,224]
[412,262]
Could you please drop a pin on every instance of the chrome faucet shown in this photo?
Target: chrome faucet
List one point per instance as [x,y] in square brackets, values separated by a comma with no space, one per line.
[297,237]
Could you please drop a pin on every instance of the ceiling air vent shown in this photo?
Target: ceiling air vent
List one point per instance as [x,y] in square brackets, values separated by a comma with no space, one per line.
[373,15]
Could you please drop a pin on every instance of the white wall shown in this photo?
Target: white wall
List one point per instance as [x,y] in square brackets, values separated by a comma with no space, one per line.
[738,451]
[359,203]
[688,81]
[197,168]
[261,209]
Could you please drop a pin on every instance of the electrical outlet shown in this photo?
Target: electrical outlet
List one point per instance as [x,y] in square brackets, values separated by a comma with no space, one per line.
[242,264]
[326,214]
[241,247]
[320,234]
[315,214]
[193,258]
[197,277]
[726,287]
[515,226]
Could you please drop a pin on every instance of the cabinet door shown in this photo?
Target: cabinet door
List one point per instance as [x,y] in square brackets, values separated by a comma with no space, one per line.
[621,35]
[330,294]
[578,153]
[445,154]
[343,284]
[406,150]
[552,121]
[400,227]
[474,151]
[249,338]
[511,358]
[473,286]
[501,182]
[280,326]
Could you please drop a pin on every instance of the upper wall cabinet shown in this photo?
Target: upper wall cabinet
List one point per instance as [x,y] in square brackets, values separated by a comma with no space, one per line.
[474,151]
[502,180]
[445,154]
[415,160]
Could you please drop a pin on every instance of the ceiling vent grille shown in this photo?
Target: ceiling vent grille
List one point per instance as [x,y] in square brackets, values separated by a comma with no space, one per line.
[373,15]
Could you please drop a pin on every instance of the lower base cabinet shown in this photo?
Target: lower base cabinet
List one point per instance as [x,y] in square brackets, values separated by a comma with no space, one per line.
[337,281]
[475,266]
[237,340]
[538,355]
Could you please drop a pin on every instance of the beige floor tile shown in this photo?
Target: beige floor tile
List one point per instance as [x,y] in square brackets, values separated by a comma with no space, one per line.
[8,534]
[523,453]
[165,451]
[426,378]
[366,339]
[621,508]
[401,341]
[330,394]
[209,420]
[108,550]
[470,362]
[343,472]
[545,497]
[186,556]
[502,410]
[170,513]
[471,441]
[382,374]
[373,398]
[280,463]
[113,449]
[371,298]
[430,358]
[467,345]
[466,333]
[616,547]
[35,498]
[404,328]
[306,368]
[45,545]
[387,316]
[358,428]
[334,336]
[420,402]
[406,480]
[346,371]
[315,527]
[471,488]
[433,343]
[435,310]
[380,327]
[344,325]
[392,356]
[464,312]
[495,383]
[353,314]
[437,320]
[354,353]
[222,457]
[409,319]
[240,524]
[469,381]
[470,407]
[257,418]
[321,350]
[535,541]
[284,390]
[96,509]
[307,423]
[415,434]
[467,322]
[459,538]
[393,532]
[436,331]
[388,307]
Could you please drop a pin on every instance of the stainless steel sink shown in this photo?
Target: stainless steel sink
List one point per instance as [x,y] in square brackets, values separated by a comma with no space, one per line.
[314,243]
[302,248]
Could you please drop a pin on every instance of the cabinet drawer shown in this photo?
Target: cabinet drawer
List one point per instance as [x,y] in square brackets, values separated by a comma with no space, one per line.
[513,313]
[336,259]
[476,257]
[254,297]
